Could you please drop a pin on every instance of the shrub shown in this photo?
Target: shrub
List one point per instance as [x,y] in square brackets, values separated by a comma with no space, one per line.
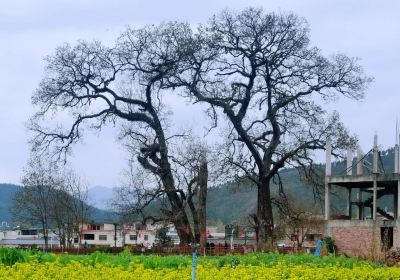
[330,245]
[10,256]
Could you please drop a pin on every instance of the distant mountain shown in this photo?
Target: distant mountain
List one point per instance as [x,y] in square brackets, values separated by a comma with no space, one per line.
[99,196]
[8,191]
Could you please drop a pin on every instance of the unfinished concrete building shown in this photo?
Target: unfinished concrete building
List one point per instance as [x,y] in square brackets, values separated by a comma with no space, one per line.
[367,226]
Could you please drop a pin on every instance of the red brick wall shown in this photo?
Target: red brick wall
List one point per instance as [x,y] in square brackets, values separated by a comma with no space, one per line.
[356,241]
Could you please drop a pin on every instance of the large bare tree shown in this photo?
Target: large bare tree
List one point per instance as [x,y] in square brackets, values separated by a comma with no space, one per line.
[264,76]
[97,85]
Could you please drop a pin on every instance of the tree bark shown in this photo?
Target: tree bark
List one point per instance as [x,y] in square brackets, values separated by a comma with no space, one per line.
[264,213]
[203,178]
[180,219]
[195,216]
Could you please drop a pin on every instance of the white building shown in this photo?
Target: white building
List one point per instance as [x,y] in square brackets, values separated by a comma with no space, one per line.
[100,234]
[114,235]
[26,238]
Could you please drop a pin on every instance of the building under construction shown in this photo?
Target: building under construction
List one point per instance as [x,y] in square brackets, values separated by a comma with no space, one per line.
[368,225]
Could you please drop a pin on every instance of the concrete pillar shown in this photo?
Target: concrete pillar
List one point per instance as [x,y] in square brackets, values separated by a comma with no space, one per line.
[328,165]
[348,206]
[360,162]
[396,159]
[398,233]
[398,200]
[328,172]
[359,207]
[349,166]
[398,155]
[398,213]
[375,155]
[395,205]
[375,172]
[327,201]
[374,198]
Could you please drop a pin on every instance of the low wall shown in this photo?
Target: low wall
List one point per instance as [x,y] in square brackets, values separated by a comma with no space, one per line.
[359,237]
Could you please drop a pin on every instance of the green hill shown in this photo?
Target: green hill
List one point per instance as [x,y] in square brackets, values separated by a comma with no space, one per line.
[8,191]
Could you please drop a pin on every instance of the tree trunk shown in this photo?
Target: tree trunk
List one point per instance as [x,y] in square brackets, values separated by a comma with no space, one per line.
[264,214]
[184,232]
[180,219]
[45,235]
[195,216]
[203,179]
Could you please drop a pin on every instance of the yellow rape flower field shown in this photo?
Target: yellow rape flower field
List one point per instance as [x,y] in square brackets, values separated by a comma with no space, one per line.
[78,271]
[40,265]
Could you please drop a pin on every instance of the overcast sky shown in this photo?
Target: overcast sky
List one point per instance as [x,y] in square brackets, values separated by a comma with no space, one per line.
[31,29]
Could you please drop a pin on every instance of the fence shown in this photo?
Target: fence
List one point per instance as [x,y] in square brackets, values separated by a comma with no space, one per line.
[176,250]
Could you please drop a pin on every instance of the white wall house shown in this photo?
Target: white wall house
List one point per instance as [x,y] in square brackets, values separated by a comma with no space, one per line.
[99,234]
[103,234]
[26,238]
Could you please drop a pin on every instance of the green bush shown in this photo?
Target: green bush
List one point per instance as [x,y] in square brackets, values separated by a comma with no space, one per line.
[10,256]
[330,245]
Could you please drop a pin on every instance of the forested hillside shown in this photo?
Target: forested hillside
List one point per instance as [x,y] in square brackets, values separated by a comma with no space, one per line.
[232,201]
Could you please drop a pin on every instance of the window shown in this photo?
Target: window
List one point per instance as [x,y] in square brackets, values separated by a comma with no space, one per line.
[102,237]
[76,240]
[29,232]
[146,237]
[88,236]
[309,237]
[93,227]
[133,237]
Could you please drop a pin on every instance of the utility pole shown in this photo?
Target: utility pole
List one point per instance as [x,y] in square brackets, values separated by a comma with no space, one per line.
[194,260]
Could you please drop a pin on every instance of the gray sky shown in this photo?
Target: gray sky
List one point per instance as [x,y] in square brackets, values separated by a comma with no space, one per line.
[31,29]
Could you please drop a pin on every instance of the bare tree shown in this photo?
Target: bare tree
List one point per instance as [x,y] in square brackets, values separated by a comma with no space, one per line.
[32,204]
[261,72]
[98,85]
[144,197]
[53,198]
[140,197]
[70,208]
[298,220]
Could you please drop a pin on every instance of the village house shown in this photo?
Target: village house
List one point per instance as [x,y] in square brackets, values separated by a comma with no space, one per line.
[115,235]
[26,237]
